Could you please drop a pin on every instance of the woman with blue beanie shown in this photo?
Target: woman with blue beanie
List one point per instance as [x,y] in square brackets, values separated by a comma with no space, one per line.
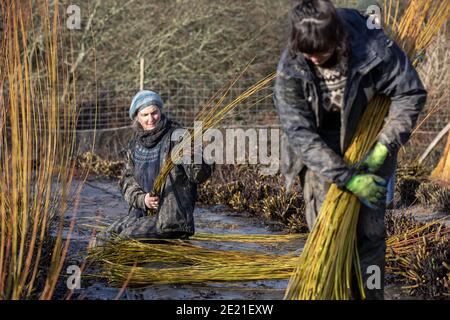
[145,154]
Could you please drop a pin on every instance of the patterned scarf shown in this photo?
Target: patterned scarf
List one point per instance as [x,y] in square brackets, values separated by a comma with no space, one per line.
[150,138]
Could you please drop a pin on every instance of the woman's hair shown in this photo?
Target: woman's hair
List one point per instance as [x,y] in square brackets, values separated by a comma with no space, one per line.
[135,125]
[316,27]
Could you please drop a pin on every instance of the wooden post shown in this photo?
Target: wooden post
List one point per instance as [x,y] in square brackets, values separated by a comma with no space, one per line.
[442,170]
[142,75]
[434,142]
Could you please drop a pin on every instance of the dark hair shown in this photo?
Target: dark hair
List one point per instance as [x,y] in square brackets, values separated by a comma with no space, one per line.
[316,27]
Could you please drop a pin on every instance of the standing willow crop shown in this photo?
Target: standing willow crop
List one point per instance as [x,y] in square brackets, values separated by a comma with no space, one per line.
[37,135]
[324,269]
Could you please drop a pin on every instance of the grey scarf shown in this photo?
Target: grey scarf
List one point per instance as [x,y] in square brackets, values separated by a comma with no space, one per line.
[149,138]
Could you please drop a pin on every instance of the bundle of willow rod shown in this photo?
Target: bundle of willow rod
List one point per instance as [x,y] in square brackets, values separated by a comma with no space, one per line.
[247,238]
[210,116]
[180,252]
[324,269]
[141,276]
[181,262]
[400,246]
[178,261]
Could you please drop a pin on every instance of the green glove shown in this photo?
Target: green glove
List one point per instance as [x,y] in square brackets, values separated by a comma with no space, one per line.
[369,188]
[375,158]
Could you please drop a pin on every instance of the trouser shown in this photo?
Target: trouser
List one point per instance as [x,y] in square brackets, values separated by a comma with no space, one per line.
[371,235]
[137,225]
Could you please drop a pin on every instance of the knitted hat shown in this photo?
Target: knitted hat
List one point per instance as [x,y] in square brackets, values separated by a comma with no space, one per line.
[144,98]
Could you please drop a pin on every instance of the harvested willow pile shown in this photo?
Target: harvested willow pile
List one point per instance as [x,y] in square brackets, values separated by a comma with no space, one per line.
[418,256]
[246,238]
[434,195]
[324,269]
[182,262]
[409,178]
[416,252]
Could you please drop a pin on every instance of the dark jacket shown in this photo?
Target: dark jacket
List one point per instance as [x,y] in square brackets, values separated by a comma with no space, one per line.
[178,194]
[376,66]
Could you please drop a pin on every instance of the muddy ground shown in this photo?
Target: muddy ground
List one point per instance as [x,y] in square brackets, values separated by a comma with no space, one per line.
[100,202]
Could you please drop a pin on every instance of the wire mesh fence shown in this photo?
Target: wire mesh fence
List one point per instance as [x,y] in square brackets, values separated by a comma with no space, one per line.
[183,99]
[103,108]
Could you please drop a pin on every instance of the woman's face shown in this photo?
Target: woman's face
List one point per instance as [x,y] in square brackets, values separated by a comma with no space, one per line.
[320,58]
[149,117]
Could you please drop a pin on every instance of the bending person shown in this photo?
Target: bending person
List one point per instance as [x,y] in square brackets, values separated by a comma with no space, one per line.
[332,67]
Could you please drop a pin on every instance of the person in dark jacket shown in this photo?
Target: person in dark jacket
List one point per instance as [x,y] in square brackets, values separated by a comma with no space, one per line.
[332,67]
[145,155]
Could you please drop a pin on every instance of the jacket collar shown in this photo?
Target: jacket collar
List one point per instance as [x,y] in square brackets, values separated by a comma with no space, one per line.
[366,50]
[365,44]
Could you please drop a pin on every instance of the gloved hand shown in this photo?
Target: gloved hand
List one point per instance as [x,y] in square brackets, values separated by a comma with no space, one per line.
[375,159]
[369,188]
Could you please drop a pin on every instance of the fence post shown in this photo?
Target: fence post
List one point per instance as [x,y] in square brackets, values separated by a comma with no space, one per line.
[434,142]
[141,87]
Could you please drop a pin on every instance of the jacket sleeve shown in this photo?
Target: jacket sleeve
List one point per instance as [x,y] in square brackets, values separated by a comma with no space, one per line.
[401,83]
[133,193]
[298,122]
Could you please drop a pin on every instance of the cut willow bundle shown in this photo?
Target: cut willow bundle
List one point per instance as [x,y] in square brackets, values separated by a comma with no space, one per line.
[141,276]
[180,262]
[324,269]
[130,251]
[210,116]
[400,245]
[420,260]
[247,238]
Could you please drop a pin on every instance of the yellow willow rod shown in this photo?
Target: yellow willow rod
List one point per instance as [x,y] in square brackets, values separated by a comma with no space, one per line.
[208,111]
[212,120]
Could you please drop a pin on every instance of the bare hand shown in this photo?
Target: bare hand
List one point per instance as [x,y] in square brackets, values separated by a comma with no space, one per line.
[151,202]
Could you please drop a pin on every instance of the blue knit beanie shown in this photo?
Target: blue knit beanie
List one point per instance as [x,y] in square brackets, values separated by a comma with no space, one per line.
[144,98]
